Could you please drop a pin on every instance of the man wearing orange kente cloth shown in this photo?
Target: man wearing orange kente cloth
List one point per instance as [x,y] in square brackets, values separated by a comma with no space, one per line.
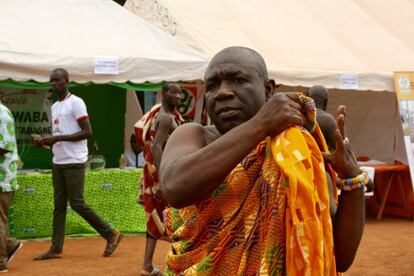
[254,191]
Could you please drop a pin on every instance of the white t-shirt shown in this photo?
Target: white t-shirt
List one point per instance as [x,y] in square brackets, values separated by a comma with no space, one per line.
[65,117]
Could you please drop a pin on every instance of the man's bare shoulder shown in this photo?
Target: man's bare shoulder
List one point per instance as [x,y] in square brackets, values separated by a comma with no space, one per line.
[162,117]
[164,121]
[326,118]
[323,113]
[196,132]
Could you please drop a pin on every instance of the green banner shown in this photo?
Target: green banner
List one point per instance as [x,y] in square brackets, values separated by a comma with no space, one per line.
[46,85]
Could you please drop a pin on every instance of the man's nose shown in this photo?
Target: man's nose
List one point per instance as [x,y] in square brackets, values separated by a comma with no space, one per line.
[224,92]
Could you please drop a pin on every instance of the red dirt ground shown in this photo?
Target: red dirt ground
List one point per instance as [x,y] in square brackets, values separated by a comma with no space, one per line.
[387,248]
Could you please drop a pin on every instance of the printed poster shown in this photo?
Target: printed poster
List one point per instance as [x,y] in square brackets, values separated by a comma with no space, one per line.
[31,109]
[404,86]
[187,106]
[191,102]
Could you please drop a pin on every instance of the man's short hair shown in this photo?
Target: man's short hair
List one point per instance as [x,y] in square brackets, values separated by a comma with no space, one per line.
[62,71]
[262,68]
[319,94]
[167,86]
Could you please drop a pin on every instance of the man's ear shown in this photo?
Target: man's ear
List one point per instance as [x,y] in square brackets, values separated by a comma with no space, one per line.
[270,87]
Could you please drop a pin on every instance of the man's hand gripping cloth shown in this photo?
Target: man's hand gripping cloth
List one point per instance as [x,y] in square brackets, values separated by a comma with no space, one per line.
[309,233]
[270,216]
[150,194]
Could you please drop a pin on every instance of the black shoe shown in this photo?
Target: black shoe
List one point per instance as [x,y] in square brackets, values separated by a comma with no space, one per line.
[13,253]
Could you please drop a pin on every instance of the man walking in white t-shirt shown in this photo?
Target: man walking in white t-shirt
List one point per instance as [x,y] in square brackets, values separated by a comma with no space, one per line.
[71,128]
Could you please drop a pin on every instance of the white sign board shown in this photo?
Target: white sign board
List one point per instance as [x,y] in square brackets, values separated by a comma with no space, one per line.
[349,81]
[107,65]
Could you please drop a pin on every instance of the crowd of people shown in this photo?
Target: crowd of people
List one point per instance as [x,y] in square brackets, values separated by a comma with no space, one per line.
[255,192]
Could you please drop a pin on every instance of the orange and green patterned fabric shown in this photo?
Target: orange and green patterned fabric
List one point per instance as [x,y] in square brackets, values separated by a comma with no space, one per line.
[269,217]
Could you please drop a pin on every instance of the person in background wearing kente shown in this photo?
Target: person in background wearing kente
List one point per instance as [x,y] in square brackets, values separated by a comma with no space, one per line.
[326,121]
[71,128]
[8,184]
[152,132]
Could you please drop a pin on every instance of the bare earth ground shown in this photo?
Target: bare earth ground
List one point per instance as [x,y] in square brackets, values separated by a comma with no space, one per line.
[387,248]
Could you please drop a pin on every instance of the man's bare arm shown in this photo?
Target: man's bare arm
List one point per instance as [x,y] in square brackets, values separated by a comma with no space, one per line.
[163,129]
[84,133]
[348,227]
[330,132]
[191,170]
[348,220]
[348,224]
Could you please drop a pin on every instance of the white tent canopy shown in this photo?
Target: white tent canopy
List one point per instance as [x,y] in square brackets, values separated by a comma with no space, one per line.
[312,42]
[39,35]
[303,42]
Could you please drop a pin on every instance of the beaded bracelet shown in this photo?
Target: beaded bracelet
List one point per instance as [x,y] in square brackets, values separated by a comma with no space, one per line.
[350,184]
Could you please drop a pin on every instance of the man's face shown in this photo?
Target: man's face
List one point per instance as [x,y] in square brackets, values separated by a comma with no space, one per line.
[58,82]
[173,96]
[234,90]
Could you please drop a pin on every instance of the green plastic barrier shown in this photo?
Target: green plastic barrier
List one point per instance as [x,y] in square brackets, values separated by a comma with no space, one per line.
[112,194]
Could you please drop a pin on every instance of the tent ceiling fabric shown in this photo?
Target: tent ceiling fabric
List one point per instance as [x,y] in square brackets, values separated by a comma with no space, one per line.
[303,42]
[39,35]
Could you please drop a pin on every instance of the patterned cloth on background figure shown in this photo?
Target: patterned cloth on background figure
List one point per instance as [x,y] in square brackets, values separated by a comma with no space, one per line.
[8,184]
[8,162]
[150,195]
[269,217]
